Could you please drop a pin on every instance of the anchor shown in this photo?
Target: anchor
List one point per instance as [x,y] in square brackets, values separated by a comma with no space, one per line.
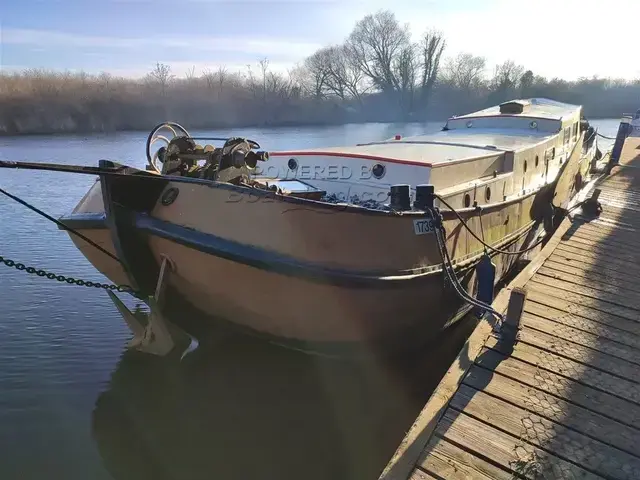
[158,336]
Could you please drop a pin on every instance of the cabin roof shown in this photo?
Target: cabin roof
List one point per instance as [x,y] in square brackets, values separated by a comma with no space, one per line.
[438,148]
[535,108]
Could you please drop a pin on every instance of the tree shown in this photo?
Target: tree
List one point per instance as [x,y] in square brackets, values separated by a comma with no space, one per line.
[506,75]
[464,72]
[505,80]
[526,83]
[317,71]
[431,47]
[375,42]
[345,79]
[161,75]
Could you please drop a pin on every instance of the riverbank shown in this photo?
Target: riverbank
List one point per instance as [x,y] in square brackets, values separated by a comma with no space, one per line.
[38,102]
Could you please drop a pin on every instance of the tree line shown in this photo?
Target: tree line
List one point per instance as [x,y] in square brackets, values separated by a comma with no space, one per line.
[379,73]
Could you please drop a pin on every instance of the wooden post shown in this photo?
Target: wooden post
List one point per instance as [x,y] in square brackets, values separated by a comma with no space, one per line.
[509,330]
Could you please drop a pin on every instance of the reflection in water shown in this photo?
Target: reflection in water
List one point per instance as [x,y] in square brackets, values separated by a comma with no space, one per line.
[249,410]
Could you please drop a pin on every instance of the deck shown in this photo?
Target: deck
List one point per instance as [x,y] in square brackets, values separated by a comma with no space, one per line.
[561,399]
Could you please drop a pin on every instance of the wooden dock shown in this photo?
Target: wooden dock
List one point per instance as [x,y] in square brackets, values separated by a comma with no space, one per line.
[562,398]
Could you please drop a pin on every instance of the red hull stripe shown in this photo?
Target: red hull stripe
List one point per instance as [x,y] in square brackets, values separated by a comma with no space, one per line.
[350,155]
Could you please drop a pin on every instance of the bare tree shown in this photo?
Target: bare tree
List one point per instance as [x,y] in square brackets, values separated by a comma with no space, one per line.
[161,75]
[465,71]
[317,67]
[375,42]
[405,70]
[345,79]
[190,74]
[506,75]
[431,47]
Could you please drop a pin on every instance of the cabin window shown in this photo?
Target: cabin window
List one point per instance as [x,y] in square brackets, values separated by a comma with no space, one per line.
[467,200]
[567,135]
[525,166]
[487,194]
[575,131]
[548,154]
[537,161]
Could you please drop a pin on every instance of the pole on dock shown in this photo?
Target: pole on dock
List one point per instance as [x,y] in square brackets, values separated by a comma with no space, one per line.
[623,132]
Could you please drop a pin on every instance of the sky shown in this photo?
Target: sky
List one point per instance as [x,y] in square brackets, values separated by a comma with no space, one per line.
[554,38]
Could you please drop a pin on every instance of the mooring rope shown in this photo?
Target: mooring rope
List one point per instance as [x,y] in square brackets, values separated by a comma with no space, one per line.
[60,224]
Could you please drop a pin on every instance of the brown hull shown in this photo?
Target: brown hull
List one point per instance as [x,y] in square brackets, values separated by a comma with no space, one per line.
[330,309]
[292,269]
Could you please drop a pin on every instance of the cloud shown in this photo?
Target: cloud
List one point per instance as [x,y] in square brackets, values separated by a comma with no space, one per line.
[283,48]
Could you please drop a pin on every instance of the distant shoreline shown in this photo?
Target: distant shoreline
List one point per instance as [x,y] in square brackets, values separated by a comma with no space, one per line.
[81,132]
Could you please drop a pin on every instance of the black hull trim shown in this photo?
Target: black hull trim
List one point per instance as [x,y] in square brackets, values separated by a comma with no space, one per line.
[275,262]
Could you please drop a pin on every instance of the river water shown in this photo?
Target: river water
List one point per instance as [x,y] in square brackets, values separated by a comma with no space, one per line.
[75,405]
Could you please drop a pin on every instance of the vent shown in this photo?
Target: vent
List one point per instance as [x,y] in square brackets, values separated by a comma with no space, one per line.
[514,107]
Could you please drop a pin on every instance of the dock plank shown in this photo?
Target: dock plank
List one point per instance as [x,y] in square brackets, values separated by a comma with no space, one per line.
[588,281]
[555,408]
[581,337]
[581,353]
[506,450]
[448,461]
[570,445]
[589,375]
[579,293]
[540,291]
[624,280]
[570,388]
[617,255]
[591,263]
[576,317]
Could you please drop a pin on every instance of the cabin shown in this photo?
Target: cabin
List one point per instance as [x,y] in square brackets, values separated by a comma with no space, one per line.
[488,156]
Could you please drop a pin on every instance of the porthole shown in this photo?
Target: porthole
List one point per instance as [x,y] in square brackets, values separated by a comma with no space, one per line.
[467,200]
[525,166]
[469,124]
[533,124]
[378,170]
[487,194]
[537,161]
[169,196]
[292,164]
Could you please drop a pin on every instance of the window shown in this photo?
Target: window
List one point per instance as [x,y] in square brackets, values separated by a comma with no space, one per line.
[567,135]
[575,131]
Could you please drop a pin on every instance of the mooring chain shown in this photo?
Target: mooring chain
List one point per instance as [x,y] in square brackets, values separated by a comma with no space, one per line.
[62,278]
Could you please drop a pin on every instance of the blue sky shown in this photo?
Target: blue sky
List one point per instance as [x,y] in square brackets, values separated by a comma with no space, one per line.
[129,37]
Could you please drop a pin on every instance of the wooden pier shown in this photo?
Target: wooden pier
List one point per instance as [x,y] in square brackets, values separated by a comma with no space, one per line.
[557,395]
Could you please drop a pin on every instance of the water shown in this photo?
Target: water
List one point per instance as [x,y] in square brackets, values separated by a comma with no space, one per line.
[74,405]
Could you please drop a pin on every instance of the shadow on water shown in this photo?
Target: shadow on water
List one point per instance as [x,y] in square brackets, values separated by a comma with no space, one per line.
[246,409]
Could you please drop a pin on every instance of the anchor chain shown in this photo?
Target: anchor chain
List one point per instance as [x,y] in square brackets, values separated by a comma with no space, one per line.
[64,279]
